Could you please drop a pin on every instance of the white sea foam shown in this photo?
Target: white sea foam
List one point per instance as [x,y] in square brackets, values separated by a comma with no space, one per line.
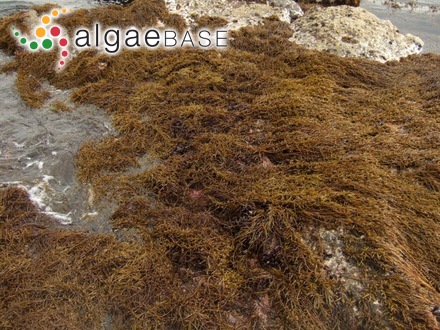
[38,163]
[38,194]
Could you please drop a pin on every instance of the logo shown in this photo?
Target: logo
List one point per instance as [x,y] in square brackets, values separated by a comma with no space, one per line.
[48,35]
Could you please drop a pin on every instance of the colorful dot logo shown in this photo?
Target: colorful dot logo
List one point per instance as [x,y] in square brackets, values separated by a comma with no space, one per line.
[47,36]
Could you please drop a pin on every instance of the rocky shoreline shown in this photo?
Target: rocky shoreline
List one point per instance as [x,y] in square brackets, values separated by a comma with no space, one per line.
[266,186]
[341,30]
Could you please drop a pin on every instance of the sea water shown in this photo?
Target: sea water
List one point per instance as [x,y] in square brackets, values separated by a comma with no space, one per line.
[417,17]
[10,7]
[38,148]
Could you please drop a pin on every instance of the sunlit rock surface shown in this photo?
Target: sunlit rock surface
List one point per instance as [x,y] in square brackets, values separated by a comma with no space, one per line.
[237,13]
[353,32]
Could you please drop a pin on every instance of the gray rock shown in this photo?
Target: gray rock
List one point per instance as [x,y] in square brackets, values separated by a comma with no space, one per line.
[353,32]
[294,9]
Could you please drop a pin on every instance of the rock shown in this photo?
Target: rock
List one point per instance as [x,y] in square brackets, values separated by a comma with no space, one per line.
[342,30]
[237,13]
[294,9]
[354,3]
[435,310]
[118,2]
[353,32]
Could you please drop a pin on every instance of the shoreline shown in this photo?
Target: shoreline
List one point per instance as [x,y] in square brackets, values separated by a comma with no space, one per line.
[422,21]
[266,186]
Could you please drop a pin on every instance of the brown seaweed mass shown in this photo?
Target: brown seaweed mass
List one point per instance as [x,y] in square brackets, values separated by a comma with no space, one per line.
[294,189]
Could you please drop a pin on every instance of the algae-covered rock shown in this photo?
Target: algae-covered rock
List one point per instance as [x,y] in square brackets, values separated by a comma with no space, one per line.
[340,30]
[353,32]
[237,13]
[288,188]
[354,3]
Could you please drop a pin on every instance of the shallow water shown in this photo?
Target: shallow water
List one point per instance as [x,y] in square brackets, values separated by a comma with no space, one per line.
[10,7]
[417,17]
[37,148]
